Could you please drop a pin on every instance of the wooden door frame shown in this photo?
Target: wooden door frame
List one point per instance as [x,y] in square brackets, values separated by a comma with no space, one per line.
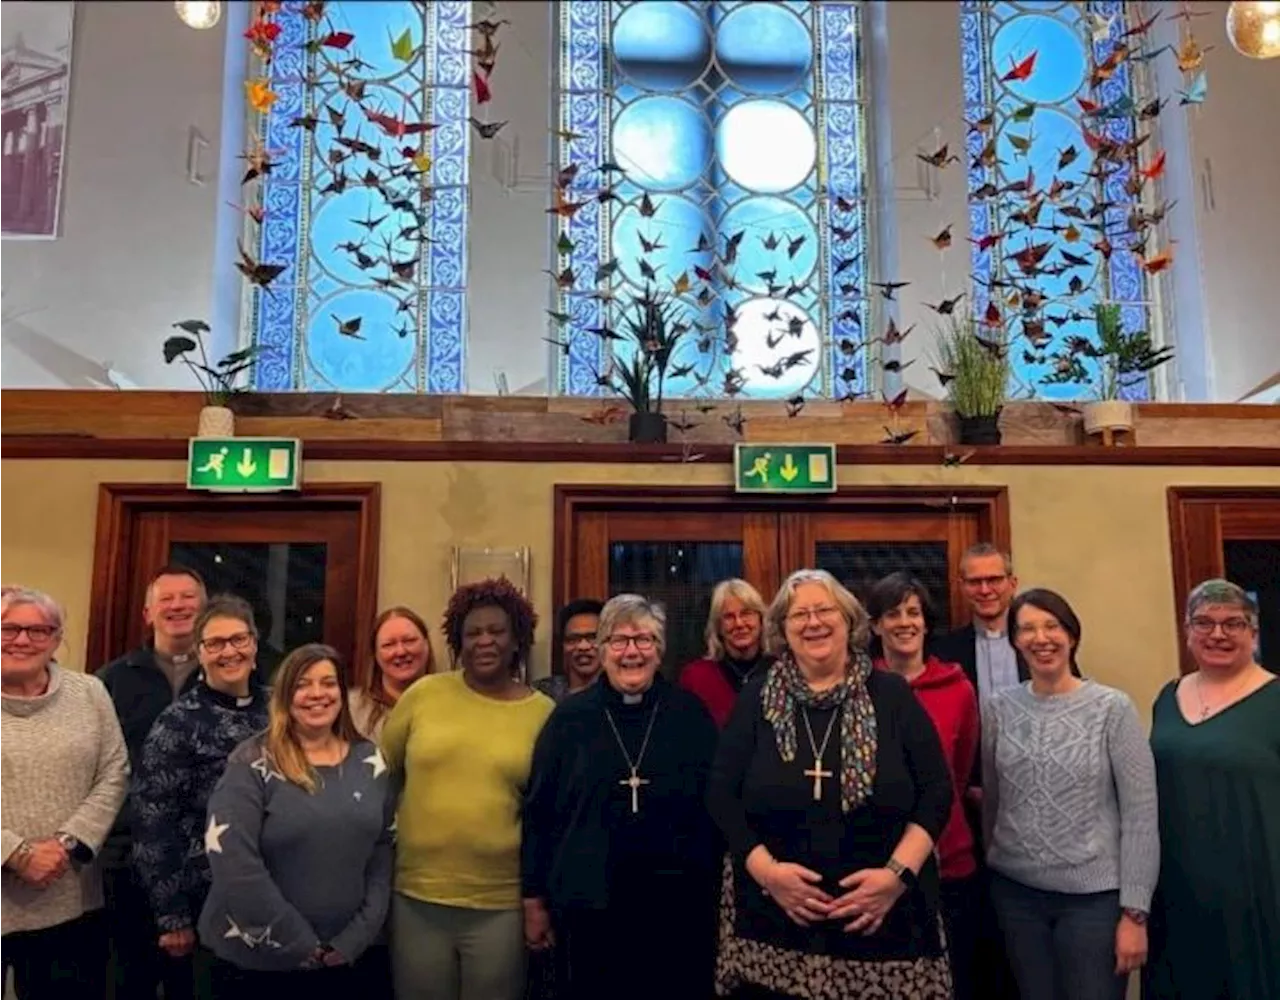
[121,504]
[1196,536]
[989,503]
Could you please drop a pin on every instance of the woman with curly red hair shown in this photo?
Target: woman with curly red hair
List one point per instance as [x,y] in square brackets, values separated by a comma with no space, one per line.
[461,742]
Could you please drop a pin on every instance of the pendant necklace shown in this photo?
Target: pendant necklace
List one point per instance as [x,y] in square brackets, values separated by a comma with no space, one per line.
[634,781]
[816,772]
[1205,710]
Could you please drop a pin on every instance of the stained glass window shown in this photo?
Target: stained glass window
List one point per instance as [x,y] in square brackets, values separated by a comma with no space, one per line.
[732,134]
[361,235]
[1034,175]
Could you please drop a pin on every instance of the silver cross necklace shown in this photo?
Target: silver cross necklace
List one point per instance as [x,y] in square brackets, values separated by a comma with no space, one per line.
[634,781]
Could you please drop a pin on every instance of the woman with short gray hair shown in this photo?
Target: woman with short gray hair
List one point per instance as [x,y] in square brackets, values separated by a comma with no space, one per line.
[1215,919]
[831,788]
[66,772]
[616,836]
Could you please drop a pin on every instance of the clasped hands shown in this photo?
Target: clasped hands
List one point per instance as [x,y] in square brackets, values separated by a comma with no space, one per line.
[44,862]
[869,895]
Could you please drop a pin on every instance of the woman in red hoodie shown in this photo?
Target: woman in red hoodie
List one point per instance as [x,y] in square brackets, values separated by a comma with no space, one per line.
[900,618]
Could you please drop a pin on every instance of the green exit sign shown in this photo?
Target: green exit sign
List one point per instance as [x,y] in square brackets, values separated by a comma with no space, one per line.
[244,464]
[784,468]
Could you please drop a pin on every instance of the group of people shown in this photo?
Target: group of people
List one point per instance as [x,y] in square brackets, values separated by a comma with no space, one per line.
[835,801]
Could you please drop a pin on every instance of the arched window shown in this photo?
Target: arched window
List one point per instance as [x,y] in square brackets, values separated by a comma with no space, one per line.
[1037,126]
[363,237]
[716,149]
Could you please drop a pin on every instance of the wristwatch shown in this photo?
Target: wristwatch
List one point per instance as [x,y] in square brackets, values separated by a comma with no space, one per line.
[1137,916]
[68,842]
[905,875]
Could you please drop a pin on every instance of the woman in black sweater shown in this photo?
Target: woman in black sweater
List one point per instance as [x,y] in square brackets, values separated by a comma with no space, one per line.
[617,844]
[831,788]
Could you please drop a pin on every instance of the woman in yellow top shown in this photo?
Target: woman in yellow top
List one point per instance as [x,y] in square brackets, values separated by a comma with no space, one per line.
[462,743]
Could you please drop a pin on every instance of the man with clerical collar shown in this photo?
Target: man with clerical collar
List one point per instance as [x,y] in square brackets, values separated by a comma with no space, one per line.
[578,657]
[142,684]
[982,648]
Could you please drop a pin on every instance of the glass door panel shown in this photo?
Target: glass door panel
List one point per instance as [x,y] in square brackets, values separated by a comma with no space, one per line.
[283,581]
[1254,564]
[858,565]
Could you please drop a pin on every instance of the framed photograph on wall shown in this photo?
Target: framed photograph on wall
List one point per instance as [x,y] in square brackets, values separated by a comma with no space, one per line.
[35,38]
[474,565]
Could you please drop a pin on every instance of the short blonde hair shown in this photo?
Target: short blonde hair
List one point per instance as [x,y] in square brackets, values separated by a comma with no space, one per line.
[726,589]
[855,615]
[632,609]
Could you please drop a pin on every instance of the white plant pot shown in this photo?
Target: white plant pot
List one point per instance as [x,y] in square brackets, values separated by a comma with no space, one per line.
[216,421]
[1108,415]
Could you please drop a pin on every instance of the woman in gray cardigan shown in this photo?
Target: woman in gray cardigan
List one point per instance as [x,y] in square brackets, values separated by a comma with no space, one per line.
[66,772]
[1071,816]
[300,846]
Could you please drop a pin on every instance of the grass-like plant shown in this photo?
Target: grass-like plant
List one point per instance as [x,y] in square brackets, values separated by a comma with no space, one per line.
[651,323]
[975,368]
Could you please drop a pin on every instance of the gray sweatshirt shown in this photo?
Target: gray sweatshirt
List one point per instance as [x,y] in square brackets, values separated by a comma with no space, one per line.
[66,770]
[293,870]
[1072,808]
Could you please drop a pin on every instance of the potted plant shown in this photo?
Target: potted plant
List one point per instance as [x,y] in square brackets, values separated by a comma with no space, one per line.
[653,332]
[218,381]
[975,371]
[1115,362]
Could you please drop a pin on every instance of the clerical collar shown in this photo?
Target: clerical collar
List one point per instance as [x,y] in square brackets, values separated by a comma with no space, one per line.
[616,697]
[633,699]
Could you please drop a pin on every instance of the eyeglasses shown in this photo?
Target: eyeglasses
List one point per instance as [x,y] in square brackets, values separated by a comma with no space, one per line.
[827,613]
[38,634]
[983,581]
[1049,628]
[1232,626]
[240,641]
[578,638]
[619,643]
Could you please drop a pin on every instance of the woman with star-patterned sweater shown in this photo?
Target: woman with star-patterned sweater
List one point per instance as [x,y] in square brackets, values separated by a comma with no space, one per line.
[183,757]
[300,846]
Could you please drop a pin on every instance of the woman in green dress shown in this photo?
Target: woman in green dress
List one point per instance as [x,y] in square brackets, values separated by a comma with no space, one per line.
[1215,920]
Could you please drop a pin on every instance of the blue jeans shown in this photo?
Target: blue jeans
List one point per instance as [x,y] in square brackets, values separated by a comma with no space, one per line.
[1062,946]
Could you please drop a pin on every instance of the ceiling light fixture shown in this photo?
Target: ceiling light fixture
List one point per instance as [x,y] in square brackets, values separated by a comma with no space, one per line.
[199,14]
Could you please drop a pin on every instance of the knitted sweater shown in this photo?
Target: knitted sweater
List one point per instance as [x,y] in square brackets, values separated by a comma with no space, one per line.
[1072,808]
[182,760]
[66,770]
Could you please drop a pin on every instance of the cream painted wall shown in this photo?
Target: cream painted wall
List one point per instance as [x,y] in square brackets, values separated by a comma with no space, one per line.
[1100,535]
[136,251]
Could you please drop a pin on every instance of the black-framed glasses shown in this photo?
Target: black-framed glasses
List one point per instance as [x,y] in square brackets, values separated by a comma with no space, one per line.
[239,642]
[578,638]
[619,643]
[1231,626]
[38,634]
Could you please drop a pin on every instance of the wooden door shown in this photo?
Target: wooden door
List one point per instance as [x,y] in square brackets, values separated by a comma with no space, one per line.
[1231,533]
[306,563]
[859,547]
[676,544]
[676,557]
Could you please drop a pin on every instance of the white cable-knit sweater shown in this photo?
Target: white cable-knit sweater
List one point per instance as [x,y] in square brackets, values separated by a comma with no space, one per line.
[66,770]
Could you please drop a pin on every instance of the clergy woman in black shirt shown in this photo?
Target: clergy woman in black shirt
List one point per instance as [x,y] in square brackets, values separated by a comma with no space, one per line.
[619,855]
[830,787]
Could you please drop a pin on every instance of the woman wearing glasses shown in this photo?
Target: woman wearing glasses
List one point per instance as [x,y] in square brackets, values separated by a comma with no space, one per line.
[183,757]
[831,788]
[1215,921]
[65,775]
[617,842]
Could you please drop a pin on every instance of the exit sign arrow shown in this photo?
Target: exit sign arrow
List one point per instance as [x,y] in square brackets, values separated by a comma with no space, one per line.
[784,468]
[244,465]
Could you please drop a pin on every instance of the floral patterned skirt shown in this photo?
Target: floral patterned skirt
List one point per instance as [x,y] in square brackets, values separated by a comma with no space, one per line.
[744,962]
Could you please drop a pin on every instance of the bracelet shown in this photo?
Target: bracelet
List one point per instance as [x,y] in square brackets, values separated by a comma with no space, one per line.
[1139,917]
[20,854]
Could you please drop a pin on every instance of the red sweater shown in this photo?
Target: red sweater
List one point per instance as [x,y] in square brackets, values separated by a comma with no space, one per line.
[949,698]
[708,680]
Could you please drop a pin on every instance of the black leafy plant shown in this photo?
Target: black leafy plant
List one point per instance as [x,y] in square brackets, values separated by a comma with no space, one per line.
[220,381]
[652,329]
[1119,359]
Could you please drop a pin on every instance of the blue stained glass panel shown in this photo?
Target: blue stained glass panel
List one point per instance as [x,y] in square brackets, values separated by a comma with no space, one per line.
[733,135]
[364,230]
[1042,133]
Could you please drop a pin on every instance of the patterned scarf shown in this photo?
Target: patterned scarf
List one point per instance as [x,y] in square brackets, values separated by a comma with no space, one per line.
[785,694]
